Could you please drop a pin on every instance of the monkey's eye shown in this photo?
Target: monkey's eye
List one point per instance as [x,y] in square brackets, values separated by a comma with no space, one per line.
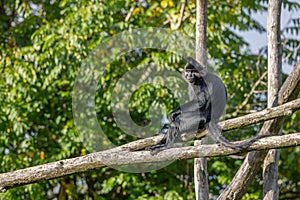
[191,70]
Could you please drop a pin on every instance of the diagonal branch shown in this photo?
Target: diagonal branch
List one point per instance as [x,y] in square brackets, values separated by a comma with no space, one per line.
[253,118]
[266,114]
[130,12]
[117,158]
[253,90]
[252,163]
[174,25]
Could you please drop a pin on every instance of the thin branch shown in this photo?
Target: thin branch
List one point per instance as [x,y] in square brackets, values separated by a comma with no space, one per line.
[117,158]
[293,52]
[257,83]
[187,15]
[129,13]
[175,26]
[260,92]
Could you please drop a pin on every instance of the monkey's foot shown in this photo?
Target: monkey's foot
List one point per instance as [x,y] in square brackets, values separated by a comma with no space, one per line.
[157,148]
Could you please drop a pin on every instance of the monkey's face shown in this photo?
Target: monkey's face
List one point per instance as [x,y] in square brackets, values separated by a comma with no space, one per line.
[191,74]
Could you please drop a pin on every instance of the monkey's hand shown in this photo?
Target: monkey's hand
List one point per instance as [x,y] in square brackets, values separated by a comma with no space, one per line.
[174,114]
[167,141]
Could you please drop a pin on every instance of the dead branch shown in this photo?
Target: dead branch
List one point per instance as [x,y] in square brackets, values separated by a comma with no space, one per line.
[125,157]
[252,163]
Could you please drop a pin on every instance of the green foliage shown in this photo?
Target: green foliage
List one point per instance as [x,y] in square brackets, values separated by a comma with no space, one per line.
[44,43]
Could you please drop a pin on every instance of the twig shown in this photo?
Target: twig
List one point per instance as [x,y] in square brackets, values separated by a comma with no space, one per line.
[175,26]
[129,13]
[258,82]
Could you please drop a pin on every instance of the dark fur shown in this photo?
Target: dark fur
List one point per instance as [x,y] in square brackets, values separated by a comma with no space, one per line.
[208,97]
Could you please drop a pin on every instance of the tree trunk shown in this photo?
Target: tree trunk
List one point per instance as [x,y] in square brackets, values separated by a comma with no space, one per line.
[270,167]
[200,164]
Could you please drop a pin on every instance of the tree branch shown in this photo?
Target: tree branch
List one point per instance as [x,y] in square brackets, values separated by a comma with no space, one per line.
[253,90]
[264,115]
[125,157]
[289,90]
[129,13]
[260,116]
[96,160]
[175,26]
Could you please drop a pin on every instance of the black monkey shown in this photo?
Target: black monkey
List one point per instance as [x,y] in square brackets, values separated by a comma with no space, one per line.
[208,98]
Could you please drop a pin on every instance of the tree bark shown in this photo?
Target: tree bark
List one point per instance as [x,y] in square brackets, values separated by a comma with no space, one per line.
[115,157]
[201,24]
[270,167]
[289,90]
[200,164]
[99,159]
[264,115]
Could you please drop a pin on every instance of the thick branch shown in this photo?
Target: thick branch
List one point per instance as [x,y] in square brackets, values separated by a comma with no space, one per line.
[117,158]
[264,115]
[274,52]
[88,162]
[289,90]
[291,87]
[253,118]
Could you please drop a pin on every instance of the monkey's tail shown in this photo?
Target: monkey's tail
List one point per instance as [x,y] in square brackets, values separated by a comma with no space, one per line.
[215,132]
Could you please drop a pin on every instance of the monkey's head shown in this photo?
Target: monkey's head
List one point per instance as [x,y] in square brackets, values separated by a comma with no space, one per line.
[193,71]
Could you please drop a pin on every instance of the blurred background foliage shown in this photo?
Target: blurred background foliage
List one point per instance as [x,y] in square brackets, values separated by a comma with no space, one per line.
[42,46]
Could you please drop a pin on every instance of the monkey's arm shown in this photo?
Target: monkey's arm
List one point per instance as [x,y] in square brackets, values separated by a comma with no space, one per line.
[187,122]
[189,107]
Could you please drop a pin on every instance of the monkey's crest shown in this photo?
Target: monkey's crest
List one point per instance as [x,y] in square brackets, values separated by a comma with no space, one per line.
[194,64]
